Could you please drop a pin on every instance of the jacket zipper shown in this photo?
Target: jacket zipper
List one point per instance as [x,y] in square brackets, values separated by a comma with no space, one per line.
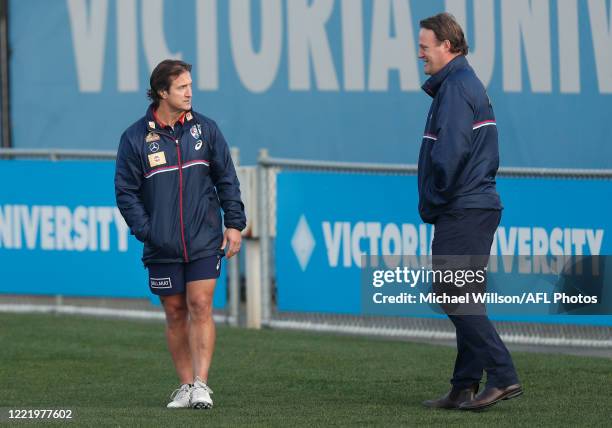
[180,168]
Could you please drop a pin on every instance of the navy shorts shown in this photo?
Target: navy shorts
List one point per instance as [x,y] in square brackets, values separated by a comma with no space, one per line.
[167,279]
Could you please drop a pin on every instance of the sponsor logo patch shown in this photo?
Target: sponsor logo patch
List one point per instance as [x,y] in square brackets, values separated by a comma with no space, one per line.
[188,116]
[154,147]
[152,125]
[152,136]
[161,283]
[198,145]
[157,159]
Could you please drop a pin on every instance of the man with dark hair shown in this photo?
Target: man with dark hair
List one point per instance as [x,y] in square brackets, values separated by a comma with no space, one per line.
[173,174]
[458,161]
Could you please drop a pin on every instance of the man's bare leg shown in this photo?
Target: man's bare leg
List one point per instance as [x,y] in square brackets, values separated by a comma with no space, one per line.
[201,325]
[177,335]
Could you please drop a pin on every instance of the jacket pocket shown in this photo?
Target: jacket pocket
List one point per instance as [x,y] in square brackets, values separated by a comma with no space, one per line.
[163,239]
[213,214]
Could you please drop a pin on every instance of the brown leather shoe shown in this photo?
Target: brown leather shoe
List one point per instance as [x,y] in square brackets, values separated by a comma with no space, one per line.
[454,398]
[492,395]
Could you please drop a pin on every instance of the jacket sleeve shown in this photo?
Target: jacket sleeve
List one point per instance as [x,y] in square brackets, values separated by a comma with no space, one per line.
[451,150]
[226,182]
[128,181]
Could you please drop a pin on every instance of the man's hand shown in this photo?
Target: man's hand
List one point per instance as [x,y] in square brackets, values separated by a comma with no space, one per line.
[233,238]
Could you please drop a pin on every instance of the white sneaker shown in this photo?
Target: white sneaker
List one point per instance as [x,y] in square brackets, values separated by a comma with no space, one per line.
[180,397]
[200,395]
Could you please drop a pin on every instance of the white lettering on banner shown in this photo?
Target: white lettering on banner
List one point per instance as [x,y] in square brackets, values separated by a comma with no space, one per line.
[601,29]
[373,233]
[257,70]
[92,227]
[6,231]
[104,216]
[372,238]
[127,47]
[537,241]
[80,240]
[389,52]
[332,241]
[346,239]
[528,21]
[58,228]
[525,32]
[355,238]
[46,228]
[122,230]
[63,228]
[29,222]
[88,41]
[353,60]
[308,41]
[525,242]
[207,45]
[569,54]
[390,240]
[483,57]
[153,39]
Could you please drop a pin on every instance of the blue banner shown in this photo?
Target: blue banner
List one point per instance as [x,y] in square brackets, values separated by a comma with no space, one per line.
[327,222]
[61,233]
[314,79]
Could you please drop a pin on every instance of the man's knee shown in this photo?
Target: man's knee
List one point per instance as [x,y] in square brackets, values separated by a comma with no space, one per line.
[200,307]
[176,311]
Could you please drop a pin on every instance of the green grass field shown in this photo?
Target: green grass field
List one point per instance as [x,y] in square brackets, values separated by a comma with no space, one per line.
[118,373]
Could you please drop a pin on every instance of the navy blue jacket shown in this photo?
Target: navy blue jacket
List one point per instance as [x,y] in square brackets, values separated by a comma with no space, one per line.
[170,184]
[459,154]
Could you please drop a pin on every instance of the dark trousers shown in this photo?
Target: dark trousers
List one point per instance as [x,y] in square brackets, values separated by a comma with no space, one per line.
[479,347]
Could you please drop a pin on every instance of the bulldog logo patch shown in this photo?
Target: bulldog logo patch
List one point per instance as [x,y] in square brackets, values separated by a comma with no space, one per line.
[196,131]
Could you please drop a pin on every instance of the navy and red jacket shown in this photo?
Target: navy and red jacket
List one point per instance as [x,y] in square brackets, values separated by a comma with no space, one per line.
[170,184]
[459,154]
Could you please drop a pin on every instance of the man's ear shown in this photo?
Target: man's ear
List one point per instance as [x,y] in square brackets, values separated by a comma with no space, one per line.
[163,94]
[447,45]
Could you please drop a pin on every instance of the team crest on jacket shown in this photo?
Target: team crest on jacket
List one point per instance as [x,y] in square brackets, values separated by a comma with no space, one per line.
[196,131]
[157,159]
[152,136]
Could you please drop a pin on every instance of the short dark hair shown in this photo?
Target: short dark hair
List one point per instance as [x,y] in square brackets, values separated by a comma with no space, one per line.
[163,75]
[445,27]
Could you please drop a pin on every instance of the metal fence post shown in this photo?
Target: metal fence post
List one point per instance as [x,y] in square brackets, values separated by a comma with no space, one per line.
[5,121]
[234,269]
[264,234]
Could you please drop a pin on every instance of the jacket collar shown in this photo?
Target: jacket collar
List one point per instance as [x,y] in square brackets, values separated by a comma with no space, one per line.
[153,122]
[432,85]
